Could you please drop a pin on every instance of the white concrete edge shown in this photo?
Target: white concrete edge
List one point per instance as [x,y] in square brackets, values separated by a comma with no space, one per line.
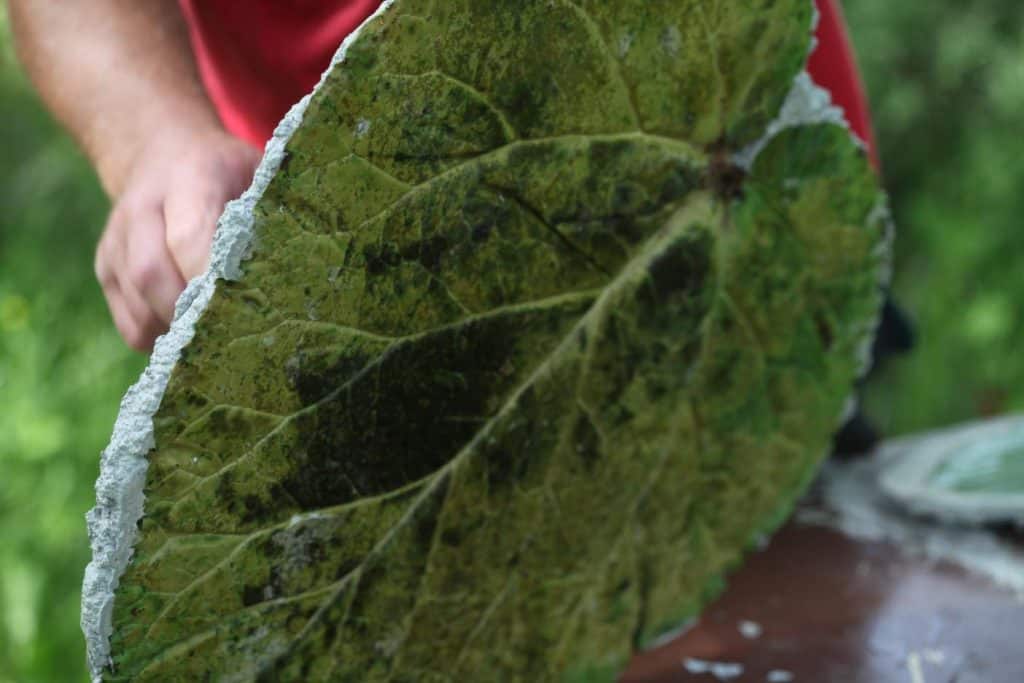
[112,524]
[853,503]
[855,495]
[806,104]
[809,104]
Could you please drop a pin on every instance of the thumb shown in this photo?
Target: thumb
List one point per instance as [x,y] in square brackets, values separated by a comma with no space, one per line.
[190,225]
[196,199]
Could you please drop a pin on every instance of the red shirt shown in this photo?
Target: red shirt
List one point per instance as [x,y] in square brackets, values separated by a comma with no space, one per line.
[258,57]
[833,66]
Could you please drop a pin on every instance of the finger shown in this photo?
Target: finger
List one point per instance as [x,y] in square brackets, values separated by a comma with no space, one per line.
[124,276]
[125,321]
[142,326]
[190,233]
[149,268]
[106,257]
[195,202]
[133,335]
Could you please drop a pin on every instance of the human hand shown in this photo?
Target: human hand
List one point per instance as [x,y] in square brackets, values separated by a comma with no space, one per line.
[159,232]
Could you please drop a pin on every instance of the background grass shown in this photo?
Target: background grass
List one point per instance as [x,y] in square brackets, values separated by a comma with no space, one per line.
[62,371]
[946,79]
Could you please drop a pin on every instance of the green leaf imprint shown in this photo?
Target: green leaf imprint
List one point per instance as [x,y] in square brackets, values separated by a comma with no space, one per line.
[520,362]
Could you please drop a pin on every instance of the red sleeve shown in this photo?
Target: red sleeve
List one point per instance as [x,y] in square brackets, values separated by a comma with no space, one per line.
[833,66]
[258,57]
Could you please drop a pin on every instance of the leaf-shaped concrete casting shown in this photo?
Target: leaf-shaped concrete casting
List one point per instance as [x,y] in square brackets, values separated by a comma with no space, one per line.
[521,359]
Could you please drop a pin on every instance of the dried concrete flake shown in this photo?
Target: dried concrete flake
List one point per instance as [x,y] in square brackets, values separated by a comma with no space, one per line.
[914,668]
[696,666]
[436,400]
[779,676]
[723,671]
[806,104]
[916,661]
[751,630]
[726,671]
[625,43]
[671,40]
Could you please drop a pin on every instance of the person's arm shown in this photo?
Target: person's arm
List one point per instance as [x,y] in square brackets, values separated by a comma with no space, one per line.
[120,75]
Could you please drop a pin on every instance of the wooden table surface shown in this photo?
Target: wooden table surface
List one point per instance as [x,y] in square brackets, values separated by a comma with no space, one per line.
[833,609]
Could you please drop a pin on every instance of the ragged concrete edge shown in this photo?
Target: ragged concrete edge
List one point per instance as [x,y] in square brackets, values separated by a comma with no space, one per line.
[806,104]
[809,104]
[112,524]
[852,502]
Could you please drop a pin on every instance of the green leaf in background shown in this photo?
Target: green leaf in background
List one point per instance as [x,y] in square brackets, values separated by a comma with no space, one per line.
[520,362]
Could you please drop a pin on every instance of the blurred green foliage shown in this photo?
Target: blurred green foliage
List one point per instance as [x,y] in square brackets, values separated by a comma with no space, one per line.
[946,80]
[947,84]
[62,372]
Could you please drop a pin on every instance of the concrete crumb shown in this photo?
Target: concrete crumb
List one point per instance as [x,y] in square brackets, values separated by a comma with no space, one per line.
[914,668]
[723,671]
[696,666]
[751,630]
[726,671]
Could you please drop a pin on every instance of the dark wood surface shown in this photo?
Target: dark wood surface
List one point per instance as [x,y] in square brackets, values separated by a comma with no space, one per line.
[833,609]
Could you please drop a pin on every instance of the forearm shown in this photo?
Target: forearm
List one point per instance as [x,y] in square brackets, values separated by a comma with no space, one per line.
[115,73]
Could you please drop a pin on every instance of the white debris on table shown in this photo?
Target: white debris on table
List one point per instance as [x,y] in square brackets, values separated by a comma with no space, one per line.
[751,630]
[723,671]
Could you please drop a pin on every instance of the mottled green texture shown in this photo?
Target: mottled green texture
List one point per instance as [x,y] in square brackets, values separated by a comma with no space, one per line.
[519,364]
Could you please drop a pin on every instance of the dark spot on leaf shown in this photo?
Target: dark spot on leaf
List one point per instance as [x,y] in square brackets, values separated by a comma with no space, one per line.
[379,259]
[427,252]
[481,231]
[286,161]
[252,595]
[725,178]
[389,426]
[314,374]
[678,286]
[586,441]
[624,197]
[255,509]
[678,183]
